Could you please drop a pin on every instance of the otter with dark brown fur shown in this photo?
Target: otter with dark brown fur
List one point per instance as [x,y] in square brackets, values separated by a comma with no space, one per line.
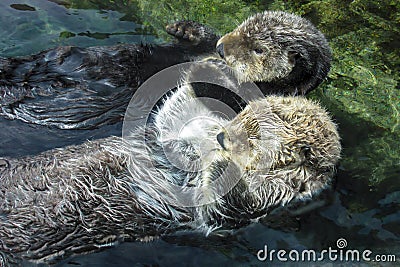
[83,88]
[281,52]
[73,200]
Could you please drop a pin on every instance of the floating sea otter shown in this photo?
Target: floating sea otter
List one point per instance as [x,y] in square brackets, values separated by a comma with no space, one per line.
[281,52]
[277,151]
[78,88]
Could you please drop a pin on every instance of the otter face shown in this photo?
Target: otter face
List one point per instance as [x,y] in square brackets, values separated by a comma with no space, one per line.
[283,148]
[254,59]
[250,143]
[275,45]
[277,150]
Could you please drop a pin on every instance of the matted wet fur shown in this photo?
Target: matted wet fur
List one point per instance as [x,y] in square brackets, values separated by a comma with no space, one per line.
[281,52]
[81,198]
[84,88]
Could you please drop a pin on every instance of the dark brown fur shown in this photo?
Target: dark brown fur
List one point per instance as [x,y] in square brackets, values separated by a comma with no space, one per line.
[84,88]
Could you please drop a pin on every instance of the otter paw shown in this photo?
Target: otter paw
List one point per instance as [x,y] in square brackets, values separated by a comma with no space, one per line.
[187,30]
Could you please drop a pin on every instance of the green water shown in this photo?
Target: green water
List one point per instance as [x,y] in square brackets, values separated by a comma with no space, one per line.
[362,92]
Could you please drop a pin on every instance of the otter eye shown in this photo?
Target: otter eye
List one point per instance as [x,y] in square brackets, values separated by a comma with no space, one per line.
[258,51]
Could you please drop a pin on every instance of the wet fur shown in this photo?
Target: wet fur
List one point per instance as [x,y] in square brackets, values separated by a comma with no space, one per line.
[84,88]
[81,198]
[282,52]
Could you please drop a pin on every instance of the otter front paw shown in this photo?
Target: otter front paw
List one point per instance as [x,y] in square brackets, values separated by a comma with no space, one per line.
[195,33]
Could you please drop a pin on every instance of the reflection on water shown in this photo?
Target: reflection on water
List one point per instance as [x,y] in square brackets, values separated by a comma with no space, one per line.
[364,208]
[30,26]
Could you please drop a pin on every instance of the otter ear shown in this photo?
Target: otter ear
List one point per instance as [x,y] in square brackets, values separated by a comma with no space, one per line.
[293,56]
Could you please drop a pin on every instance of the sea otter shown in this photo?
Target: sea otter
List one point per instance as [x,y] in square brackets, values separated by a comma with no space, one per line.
[282,52]
[84,88]
[277,151]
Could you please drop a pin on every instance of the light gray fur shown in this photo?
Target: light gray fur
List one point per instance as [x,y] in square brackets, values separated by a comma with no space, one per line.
[77,199]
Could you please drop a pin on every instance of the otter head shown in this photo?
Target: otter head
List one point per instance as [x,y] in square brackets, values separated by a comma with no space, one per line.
[280,49]
[277,150]
[283,148]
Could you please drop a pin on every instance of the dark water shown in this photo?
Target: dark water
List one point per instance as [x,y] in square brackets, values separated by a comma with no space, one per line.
[366,215]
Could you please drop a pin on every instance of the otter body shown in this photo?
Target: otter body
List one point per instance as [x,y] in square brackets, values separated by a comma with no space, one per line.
[83,88]
[277,151]
[73,200]
[77,88]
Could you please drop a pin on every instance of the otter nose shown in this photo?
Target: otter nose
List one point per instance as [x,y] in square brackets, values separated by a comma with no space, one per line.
[220,50]
[220,139]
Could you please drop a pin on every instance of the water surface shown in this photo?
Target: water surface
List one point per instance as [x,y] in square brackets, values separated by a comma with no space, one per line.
[364,206]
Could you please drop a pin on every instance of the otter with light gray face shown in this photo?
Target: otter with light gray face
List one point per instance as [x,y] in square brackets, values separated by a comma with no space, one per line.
[77,199]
